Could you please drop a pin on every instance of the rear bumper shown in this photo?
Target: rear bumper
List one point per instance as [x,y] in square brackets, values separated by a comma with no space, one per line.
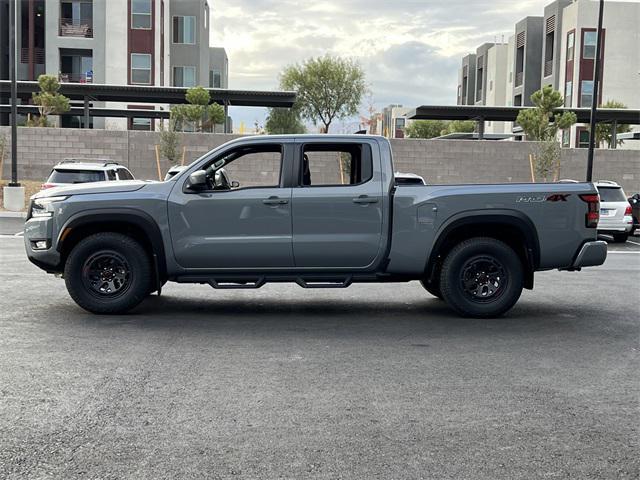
[591,254]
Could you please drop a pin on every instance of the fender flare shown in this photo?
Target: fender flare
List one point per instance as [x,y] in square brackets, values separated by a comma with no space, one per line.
[512,218]
[137,218]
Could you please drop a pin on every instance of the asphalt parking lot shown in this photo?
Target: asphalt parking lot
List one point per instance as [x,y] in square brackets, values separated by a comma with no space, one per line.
[375,381]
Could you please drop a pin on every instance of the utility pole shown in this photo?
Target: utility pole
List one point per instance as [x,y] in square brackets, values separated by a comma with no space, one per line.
[14,94]
[596,96]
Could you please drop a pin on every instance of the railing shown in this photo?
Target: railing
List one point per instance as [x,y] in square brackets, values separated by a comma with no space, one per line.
[75,27]
[75,78]
[548,68]
[519,78]
[38,55]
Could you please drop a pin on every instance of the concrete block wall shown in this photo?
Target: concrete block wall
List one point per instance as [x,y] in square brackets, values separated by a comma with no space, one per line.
[438,161]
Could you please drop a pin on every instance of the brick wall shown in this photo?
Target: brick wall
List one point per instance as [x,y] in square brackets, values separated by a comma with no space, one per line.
[438,161]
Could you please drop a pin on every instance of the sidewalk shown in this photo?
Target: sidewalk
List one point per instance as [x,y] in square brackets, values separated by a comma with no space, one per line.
[8,214]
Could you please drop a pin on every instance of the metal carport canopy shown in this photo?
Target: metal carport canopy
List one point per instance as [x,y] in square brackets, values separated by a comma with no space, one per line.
[509,114]
[136,94]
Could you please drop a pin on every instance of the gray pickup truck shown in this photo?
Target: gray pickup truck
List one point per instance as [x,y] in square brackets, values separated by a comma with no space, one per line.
[322,211]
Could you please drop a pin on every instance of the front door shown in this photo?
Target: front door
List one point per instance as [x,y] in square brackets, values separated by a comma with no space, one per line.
[243,220]
[337,206]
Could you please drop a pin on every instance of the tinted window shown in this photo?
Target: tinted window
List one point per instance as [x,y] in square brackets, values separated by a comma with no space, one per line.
[75,176]
[124,174]
[111,174]
[611,194]
[336,164]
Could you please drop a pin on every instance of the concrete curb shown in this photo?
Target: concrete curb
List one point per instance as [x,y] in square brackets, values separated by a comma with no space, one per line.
[7,214]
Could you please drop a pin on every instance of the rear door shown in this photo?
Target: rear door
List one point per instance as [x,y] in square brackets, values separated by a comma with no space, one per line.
[337,205]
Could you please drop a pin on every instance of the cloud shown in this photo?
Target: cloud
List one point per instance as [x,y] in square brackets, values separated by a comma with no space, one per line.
[410,49]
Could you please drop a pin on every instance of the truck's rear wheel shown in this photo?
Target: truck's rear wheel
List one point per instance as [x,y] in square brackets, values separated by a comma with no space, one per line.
[108,273]
[482,278]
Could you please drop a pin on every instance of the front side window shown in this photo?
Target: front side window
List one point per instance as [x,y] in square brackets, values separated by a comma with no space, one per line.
[251,166]
[184,30]
[571,40]
[141,68]
[586,93]
[184,76]
[141,14]
[589,41]
[336,164]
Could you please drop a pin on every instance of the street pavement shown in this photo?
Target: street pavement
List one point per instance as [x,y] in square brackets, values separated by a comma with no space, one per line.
[374,381]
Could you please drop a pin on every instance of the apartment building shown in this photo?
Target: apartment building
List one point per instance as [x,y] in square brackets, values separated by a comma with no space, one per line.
[394,121]
[620,75]
[467,81]
[558,49]
[124,42]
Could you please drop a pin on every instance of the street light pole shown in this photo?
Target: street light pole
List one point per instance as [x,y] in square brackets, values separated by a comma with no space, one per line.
[14,94]
[596,96]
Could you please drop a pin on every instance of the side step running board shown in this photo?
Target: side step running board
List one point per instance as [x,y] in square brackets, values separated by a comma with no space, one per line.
[228,283]
[342,283]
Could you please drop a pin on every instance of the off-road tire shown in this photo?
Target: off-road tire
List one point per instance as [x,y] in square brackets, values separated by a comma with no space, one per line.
[129,273]
[482,278]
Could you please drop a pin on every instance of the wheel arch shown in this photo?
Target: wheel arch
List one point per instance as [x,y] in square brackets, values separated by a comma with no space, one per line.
[136,224]
[512,227]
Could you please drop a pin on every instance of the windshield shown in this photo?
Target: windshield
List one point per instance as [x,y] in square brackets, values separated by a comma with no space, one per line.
[611,194]
[75,176]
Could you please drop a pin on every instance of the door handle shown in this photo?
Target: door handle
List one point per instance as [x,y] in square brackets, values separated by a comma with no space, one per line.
[275,201]
[365,199]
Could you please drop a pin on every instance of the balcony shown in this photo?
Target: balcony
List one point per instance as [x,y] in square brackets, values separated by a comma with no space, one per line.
[519,79]
[76,27]
[75,78]
[548,68]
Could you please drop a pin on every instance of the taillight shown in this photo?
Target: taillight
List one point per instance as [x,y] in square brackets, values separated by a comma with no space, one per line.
[44,186]
[628,218]
[593,211]
[628,210]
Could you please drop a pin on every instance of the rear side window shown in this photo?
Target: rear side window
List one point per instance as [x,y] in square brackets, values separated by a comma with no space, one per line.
[124,174]
[75,176]
[336,164]
[111,174]
[611,194]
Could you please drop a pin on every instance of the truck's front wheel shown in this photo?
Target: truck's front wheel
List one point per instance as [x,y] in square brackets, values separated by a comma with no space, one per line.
[108,273]
[482,278]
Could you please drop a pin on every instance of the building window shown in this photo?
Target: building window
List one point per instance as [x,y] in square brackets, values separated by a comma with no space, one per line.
[566,135]
[184,30]
[491,85]
[586,93]
[141,124]
[141,68]
[141,14]
[568,94]
[184,76]
[215,79]
[583,138]
[571,42]
[589,40]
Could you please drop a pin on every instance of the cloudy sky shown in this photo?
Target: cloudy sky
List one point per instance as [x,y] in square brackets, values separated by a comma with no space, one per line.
[410,49]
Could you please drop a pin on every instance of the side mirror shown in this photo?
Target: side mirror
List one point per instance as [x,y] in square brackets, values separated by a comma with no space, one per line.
[197,180]
[235,184]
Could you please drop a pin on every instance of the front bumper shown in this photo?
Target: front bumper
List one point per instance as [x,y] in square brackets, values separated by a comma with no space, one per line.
[41,229]
[591,254]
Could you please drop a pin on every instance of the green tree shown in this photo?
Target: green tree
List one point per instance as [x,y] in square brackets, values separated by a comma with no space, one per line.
[540,124]
[198,112]
[604,131]
[284,121]
[425,128]
[170,141]
[48,100]
[327,87]
[460,126]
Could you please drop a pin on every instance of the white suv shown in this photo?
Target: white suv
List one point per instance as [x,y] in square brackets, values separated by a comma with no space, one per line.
[615,211]
[82,171]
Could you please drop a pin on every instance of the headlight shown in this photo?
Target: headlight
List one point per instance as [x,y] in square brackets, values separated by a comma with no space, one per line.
[42,207]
